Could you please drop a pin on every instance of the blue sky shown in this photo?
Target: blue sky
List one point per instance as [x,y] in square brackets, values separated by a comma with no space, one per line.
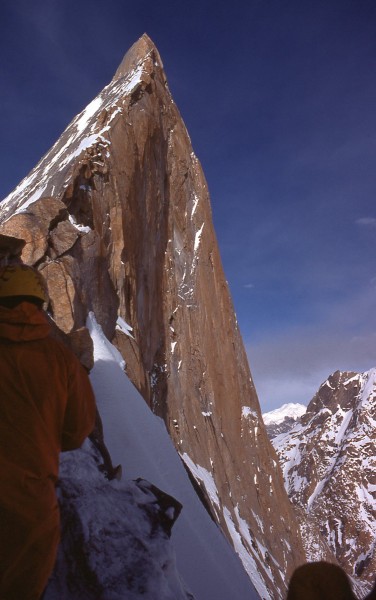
[279,99]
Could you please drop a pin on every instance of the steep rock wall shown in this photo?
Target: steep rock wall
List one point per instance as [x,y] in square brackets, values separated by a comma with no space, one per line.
[117,216]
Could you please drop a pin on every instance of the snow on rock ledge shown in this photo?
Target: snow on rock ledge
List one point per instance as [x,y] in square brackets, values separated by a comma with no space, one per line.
[114,545]
[138,440]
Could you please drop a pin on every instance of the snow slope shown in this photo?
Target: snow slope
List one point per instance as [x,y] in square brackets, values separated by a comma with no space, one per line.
[139,441]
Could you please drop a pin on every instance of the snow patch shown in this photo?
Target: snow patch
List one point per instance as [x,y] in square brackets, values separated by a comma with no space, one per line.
[82,228]
[195,203]
[248,412]
[123,326]
[248,561]
[203,475]
[198,239]
[33,198]
[84,118]
[100,339]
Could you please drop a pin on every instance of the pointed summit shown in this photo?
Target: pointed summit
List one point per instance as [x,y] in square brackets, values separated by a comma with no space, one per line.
[139,52]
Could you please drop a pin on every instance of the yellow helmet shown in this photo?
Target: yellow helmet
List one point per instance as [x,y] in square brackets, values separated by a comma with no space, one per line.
[22,280]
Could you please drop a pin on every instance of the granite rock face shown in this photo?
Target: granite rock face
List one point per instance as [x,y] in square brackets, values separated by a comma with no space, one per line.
[278,428]
[117,217]
[329,465]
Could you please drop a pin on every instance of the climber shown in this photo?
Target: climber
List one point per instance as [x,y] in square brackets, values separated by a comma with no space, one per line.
[47,405]
[320,581]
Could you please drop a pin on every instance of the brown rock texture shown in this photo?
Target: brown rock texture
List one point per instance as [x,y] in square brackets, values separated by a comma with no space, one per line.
[328,461]
[117,217]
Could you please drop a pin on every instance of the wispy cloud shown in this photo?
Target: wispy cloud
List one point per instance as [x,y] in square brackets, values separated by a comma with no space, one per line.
[366,222]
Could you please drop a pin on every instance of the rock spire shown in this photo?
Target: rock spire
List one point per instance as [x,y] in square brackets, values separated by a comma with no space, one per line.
[117,216]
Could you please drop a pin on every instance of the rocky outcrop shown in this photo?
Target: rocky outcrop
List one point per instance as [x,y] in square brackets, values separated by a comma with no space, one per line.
[117,217]
[274,429]
[328,460]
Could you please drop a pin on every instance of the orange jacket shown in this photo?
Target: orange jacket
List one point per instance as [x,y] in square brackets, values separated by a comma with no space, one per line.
[46,400]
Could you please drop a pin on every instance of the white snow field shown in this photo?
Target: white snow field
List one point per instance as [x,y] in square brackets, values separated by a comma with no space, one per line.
[137,439]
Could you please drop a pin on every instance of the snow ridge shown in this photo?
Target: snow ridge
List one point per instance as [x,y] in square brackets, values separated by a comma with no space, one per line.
[82,133]
[138,440]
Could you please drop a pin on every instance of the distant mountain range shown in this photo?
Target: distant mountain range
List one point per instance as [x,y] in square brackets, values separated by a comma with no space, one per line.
[328,458]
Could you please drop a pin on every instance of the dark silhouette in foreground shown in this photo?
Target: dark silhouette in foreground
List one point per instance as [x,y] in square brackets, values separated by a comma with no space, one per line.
[322,581]
[47,406]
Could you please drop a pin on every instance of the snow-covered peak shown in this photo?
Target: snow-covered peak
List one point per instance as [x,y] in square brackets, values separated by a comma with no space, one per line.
[277,416]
